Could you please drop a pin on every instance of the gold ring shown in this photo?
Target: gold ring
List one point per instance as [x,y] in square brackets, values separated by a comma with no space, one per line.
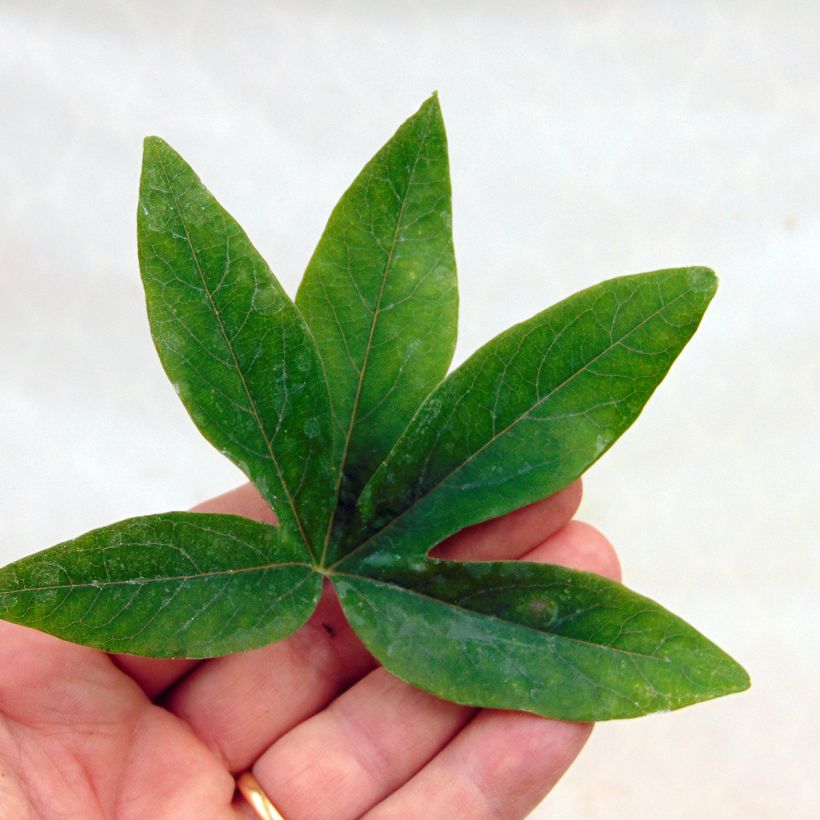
[260,802]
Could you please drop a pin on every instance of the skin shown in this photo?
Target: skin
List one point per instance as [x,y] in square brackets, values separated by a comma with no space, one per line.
[326,732]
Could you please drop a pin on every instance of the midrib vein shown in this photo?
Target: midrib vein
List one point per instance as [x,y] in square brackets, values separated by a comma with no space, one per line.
[238,368]
[196,576]
[506,429]
[497,618]
[368,346]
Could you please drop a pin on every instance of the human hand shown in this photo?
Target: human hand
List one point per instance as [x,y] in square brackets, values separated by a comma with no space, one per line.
[325,732]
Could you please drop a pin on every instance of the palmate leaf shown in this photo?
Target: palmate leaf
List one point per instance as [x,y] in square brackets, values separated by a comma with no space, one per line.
[380,296]
[316,424]
[515,635]
[529,412]
[179,584]
[233,344]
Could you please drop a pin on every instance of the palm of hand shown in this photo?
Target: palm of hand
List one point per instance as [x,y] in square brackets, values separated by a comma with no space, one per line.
[327,734]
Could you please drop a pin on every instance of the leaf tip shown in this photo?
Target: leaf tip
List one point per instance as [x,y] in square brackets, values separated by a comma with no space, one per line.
[152,143]
[702,280]
[737,678]
[156,149]
[725,677]
[432,104]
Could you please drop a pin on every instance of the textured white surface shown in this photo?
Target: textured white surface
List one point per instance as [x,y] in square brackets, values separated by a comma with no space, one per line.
[587,140]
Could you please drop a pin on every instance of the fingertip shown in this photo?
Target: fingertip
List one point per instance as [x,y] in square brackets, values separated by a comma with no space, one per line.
[580,546]
[575,492]
[511,535]
[245,501]
[564,504]
[153,675]
[530,756]
[558,508]
[501,764]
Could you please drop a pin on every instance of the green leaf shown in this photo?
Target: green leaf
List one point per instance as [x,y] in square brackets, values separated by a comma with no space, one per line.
[530,411]
[380,294]
[544,639]
[180,584]
[333,419]
[235,347]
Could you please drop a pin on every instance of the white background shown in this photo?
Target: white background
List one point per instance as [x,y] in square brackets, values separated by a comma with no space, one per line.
[587,140]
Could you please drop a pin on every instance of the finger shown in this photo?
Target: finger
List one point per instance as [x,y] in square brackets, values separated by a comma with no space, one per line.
[381,731]
[277,687]
[500,766]
[244,501]
[155,675]
[358,750]
[579,546]
[82,739]
[237,704]
[513,534]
